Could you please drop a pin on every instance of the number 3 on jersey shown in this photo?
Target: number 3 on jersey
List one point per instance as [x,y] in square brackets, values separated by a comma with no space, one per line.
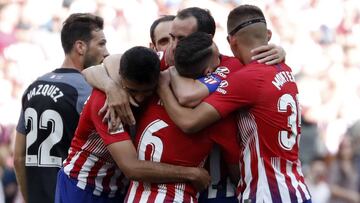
[287,142]
[43,157]
[148,140]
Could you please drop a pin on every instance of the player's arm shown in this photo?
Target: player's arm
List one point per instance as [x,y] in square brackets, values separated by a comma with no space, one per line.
[269,54]
[187,119]
[19,163]
[189,92]
[106,78]
[125,156]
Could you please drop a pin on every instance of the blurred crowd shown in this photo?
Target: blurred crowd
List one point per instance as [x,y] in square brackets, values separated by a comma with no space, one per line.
[321,39]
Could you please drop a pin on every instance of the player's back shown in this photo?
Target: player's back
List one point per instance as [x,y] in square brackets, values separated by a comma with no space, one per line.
[270,133]
[159,140]
[50,112]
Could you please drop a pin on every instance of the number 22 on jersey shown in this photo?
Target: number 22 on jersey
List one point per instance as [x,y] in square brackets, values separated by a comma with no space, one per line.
[42,156]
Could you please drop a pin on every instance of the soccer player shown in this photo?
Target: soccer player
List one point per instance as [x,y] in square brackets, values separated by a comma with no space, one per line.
[100,159]
[159,33]
[266,100]
[160,140]
[51,106]
[188,91]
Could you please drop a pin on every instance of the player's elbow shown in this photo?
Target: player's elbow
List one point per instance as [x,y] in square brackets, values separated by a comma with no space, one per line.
[188,126]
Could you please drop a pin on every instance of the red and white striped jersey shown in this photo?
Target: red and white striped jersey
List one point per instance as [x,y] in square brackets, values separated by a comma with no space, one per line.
[266,98]
[89,162]
[158,139]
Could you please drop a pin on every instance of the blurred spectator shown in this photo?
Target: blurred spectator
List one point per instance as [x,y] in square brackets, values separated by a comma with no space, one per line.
[344,176]
[316,179]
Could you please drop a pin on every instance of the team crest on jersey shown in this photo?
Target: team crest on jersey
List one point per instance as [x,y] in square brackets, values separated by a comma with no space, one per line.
[116,130]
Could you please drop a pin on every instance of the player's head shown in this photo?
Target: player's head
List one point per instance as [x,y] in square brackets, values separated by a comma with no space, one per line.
[247,29]
[196,55]
[190,20]
[139,71]
[159,33]
[82,35]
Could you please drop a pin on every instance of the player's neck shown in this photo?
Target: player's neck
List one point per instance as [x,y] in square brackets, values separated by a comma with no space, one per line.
[72,62]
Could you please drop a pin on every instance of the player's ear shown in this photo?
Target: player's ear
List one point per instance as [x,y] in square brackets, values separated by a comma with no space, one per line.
[152,46]
[80,47]
[269,35]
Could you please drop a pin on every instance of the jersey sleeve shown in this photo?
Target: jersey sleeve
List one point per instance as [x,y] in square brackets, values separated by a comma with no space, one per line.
[21,128]
[237,91]
[211,82]
[96,101]
[224,133]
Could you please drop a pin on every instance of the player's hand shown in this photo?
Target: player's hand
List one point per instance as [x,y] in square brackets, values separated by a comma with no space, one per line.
[269,54]
[118,101]
[164,79]
[201,179]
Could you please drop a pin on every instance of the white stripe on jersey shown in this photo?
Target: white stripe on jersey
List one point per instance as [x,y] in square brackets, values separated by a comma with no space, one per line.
[160,196]
[132,191]
[303,187]
[294,182]
[113,184]
[99,178]
[230,190]
[179,192]
[248,175]
[84,171]
[263,189]
[280,178]
[146,193]
[71,165]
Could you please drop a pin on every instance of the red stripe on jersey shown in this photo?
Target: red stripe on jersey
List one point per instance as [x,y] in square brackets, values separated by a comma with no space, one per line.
[78,164]
[170,193]
[272,182]
[153,194]
[242,185]
[93,171]
[107,178]
[138,193]
[298,179]
[292,192]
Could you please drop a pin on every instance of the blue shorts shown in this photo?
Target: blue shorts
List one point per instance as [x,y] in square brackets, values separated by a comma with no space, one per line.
[68,192]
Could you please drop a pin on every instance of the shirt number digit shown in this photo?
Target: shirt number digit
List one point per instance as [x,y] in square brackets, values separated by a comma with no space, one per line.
[287,142]
[147,141]
[43,157]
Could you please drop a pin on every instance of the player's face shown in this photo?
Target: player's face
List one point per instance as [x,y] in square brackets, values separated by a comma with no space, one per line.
[162,36]
[181,28]
[96,49]
[139,92]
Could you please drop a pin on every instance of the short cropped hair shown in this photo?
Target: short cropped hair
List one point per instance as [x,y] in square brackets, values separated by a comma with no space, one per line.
[78,26]
[244,14]
[141,65]
[192,54]
[157,22]
[205,21]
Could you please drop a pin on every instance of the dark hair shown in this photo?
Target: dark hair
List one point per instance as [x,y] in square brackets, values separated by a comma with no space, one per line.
[141,65]
[164,18]
[243,16]
[205,22]
[192,54]
[78,26]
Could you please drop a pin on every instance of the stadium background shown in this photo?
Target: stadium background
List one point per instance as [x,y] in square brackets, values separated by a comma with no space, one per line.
[321,38]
